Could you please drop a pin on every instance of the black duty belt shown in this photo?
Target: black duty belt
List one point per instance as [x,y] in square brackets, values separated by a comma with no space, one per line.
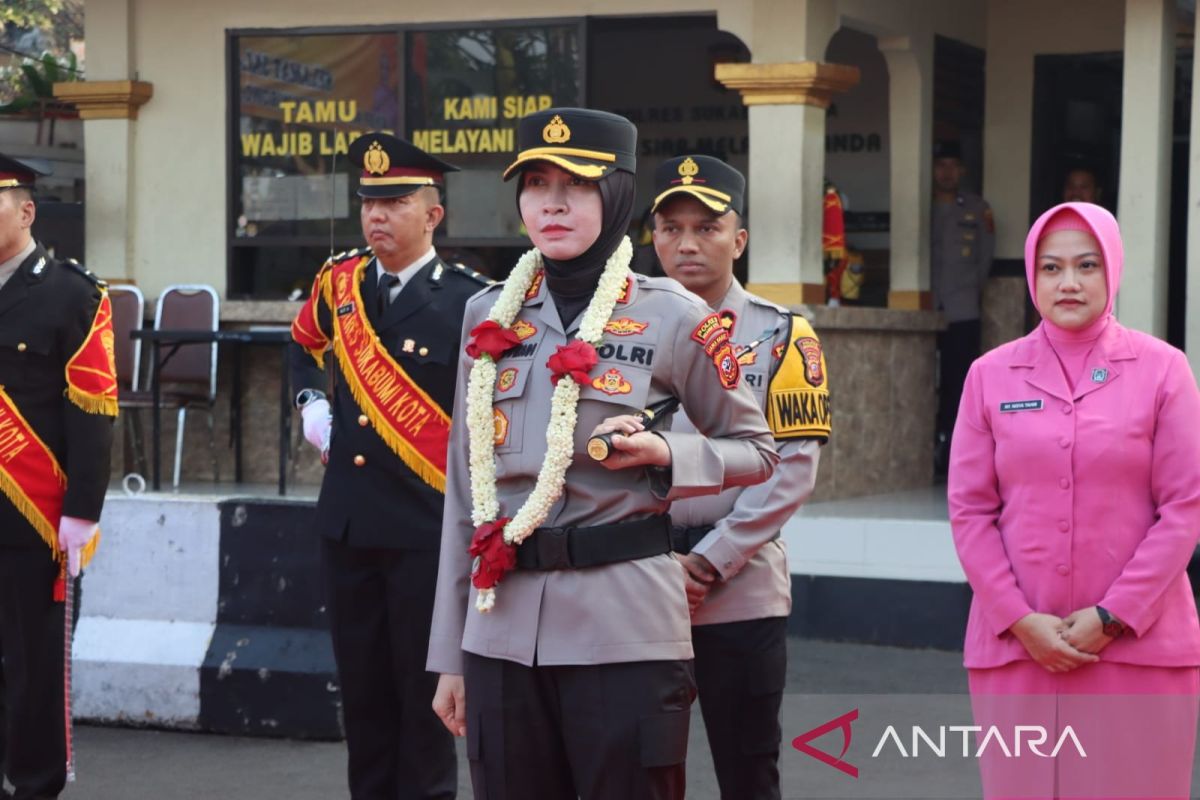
[684,539]
[576,548]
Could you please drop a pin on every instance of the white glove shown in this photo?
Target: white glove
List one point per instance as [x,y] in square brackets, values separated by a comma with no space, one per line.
[318,424]
[73,535]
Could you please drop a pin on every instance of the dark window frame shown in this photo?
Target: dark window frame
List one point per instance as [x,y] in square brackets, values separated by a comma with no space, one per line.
[343,242]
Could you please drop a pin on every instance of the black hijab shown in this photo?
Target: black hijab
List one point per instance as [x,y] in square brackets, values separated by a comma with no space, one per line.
[572,282]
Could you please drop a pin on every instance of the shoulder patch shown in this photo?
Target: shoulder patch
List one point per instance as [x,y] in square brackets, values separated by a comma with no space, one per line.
[75,266]
[798,397]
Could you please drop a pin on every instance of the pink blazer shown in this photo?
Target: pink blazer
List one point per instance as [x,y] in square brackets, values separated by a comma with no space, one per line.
[1061,500]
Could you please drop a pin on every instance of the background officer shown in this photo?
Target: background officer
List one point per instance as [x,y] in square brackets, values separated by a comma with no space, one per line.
[963,241]
[58,397]
[739,586]
[388,317]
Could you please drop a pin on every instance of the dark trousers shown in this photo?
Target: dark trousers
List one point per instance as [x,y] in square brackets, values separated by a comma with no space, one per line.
[741,668]
[31,642]
[595,732]
[958,346]
[381,605]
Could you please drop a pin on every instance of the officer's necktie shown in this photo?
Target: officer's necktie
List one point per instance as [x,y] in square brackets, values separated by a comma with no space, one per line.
[386,281]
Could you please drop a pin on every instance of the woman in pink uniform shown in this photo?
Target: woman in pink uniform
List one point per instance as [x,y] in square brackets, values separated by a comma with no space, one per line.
[1075,504]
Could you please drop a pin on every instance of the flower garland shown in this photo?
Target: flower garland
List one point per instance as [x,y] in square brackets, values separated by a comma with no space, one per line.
[496,537]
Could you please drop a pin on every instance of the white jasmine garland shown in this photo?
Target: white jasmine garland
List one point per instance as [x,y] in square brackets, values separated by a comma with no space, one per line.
[560,436]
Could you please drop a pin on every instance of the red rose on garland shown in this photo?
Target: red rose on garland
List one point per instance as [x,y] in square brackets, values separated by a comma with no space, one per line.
[575,359]
[494,557]
[489,338]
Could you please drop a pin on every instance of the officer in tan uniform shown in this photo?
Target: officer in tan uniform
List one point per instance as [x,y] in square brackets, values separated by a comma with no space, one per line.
[578,680]
[739,585]
[961,248]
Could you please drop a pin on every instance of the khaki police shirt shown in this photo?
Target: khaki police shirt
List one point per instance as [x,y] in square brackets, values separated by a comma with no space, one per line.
[960,255]
[744,544]
[627,611]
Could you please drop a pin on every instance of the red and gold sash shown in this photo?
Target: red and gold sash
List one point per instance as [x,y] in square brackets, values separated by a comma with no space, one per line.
[404,416]
[92,372]
[31,478]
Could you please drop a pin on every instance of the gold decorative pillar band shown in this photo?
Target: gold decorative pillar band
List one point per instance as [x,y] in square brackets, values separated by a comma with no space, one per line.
[809,83]
[910,300]
[105,99]
[790,294]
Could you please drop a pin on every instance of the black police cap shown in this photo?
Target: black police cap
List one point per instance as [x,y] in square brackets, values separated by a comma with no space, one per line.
[587,143]
[20,172]
[710,180]
[394,167]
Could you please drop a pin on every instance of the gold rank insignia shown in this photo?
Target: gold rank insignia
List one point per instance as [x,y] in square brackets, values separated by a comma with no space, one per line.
[523,329]
[376,159]
[556,131]
[688,170]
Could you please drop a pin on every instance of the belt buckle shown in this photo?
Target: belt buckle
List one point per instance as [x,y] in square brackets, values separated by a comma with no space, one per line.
[553,548]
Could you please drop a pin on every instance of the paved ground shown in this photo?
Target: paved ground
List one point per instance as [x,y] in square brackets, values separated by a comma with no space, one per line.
[121,764]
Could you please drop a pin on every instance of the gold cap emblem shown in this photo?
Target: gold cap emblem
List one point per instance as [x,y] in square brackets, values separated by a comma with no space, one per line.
[376,160]
[556,131]
[689,169]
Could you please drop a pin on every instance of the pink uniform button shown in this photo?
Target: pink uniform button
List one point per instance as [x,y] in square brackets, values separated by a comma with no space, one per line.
[1064,483]
[1064,526]
[1064,442]
[1066,409]
[1063,569]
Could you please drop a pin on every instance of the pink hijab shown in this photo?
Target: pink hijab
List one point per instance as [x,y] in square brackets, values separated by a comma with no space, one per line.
[1079,216]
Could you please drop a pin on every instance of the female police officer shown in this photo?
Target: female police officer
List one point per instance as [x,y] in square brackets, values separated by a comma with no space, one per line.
[577,661]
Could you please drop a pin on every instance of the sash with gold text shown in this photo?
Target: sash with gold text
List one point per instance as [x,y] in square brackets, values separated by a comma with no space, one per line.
[403,415]
[31,478]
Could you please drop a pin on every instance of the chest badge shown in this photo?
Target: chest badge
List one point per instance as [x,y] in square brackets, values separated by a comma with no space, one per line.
[612,382]
[408,346]
[1099,375]
[499,427]
[507,379]
[625,327]
[523,329]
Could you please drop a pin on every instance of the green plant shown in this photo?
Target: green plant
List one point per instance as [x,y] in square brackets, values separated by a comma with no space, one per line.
[37,81]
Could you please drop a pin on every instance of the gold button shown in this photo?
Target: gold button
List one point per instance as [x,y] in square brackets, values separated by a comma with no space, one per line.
[424,351]
[21,347]
[362,420]
[359,461]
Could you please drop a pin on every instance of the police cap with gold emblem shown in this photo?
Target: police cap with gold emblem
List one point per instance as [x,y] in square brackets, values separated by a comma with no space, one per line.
[587,143]
[710,180]
[394,167]
[16,173]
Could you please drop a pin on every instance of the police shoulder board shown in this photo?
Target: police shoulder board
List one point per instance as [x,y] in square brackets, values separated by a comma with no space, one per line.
[798,396]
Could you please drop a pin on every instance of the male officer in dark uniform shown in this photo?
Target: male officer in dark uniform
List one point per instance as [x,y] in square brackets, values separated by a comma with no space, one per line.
[389,317]
[58,397]
[739,586]
[960,254]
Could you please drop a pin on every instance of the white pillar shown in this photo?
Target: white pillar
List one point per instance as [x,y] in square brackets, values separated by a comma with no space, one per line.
[787,90]
[1145,189]
[910,129]
[109,144]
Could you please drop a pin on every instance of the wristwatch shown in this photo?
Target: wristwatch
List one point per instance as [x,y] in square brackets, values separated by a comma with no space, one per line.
[306,396]
[1112,627]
